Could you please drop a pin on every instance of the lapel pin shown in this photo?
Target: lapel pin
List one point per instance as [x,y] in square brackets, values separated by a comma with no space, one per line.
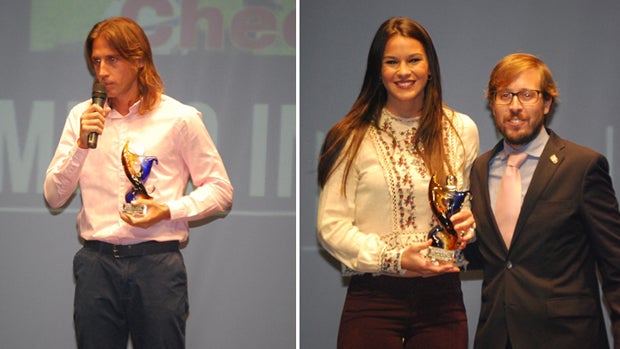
[554,159]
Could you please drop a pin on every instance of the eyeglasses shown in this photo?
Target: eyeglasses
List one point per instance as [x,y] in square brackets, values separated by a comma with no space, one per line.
[524,96]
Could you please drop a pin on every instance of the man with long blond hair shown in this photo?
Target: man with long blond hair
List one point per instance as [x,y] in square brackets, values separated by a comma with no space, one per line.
[130,276]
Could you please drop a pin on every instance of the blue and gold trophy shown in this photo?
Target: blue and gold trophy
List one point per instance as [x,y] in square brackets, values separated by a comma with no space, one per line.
[137,169]
[445,201]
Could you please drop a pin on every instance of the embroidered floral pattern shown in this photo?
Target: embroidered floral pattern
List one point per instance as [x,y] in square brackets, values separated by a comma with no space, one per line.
[391,261]
[403,167]
[401,163]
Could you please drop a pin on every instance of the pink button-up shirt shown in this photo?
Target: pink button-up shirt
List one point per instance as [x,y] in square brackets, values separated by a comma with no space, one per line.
[176,135]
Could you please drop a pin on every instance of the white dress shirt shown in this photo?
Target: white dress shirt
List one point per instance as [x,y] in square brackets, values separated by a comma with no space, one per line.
[172,132]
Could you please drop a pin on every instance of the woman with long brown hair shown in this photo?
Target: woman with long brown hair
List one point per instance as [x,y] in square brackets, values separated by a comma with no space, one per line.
[374,216]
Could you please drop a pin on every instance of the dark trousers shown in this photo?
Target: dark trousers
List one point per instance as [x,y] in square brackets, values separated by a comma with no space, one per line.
[386,312]
[144,297]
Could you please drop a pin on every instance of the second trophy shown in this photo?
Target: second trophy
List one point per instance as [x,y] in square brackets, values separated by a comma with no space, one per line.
[445,201]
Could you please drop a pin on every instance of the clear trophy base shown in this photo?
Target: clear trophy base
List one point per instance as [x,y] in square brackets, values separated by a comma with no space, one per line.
[437,255]
[134,209]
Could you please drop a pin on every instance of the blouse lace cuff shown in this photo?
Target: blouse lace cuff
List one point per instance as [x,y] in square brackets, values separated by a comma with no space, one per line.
[390,262]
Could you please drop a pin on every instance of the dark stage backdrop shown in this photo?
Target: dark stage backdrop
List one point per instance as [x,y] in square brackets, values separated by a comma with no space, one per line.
[577,39]
[232,59]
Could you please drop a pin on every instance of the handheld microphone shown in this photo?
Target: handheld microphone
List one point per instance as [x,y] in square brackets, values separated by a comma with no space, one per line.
[99,96]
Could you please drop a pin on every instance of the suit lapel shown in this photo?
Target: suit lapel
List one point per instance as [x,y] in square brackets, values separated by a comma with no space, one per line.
[483,179]
[550,160]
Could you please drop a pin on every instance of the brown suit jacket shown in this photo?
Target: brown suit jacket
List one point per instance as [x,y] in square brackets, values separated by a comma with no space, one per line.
[544,291]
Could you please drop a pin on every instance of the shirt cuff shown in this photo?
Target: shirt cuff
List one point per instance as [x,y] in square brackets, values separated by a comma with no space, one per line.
[177,210]
[390,262]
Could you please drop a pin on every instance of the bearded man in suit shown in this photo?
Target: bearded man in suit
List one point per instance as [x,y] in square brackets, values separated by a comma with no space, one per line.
[540,287]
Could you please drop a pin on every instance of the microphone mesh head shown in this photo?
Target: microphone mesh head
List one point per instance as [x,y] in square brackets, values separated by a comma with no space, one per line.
[99,90]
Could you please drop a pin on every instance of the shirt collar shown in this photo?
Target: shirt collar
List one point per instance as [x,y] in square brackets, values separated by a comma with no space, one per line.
[533,148]
[132,110]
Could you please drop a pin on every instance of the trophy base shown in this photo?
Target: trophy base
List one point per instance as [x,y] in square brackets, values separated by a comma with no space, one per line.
[456,257]
[134,210]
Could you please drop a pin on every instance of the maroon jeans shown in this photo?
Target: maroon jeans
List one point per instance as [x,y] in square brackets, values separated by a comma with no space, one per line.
[385,312]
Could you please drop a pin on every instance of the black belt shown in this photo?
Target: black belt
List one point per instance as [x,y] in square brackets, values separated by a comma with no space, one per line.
[141,249]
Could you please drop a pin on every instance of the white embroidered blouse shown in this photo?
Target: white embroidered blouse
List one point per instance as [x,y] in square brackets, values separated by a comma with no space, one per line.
[385,207]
